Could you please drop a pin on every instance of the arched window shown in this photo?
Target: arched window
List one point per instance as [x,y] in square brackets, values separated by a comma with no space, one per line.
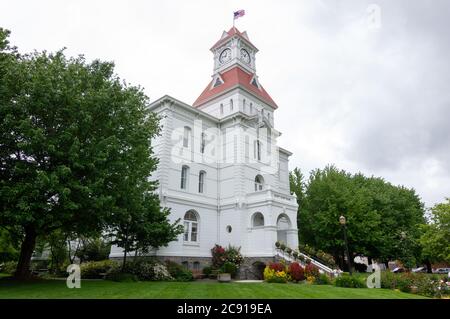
[184,176]
[186,136]
[201,181]
[258,219]
[221,109]
[190,226]
[231,105]
[283,225]
[244,107]
[251,108]
[259,183]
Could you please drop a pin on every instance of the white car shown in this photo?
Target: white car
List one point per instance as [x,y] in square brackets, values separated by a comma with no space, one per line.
[441,271]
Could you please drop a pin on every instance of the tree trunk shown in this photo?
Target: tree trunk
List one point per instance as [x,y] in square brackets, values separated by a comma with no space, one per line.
[26,251]
[428,264]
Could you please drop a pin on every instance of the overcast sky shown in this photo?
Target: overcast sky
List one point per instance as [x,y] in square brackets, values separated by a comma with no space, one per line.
[366,95]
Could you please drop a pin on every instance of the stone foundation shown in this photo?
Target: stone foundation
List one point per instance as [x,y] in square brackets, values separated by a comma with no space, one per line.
[252,267]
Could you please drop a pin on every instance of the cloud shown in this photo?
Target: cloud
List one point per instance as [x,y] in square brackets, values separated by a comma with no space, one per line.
[375,101]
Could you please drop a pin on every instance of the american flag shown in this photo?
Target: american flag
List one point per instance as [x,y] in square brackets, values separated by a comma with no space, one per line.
[238,14]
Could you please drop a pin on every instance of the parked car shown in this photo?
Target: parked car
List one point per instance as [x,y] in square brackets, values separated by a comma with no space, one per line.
[442,270]
[398,269]
[420,269]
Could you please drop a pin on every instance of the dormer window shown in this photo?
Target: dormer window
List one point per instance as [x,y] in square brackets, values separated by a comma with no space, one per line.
[217,82]
[255,83]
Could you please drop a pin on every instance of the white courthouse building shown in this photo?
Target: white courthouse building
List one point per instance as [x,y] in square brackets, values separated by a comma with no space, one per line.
[220,169]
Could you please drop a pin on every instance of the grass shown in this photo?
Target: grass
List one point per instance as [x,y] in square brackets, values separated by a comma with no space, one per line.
[188,290]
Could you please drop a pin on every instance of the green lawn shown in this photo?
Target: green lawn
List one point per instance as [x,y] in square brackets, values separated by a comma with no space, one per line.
[185,290]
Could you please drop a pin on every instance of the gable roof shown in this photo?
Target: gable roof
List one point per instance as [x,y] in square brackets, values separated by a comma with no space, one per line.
[227,35]
[235,77]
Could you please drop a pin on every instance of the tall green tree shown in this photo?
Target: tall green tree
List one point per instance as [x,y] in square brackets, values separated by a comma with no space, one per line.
[435,240]
[382,219]
[75,144]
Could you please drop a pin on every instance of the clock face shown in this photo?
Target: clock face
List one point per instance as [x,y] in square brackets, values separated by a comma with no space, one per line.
[245,56]
[225,55]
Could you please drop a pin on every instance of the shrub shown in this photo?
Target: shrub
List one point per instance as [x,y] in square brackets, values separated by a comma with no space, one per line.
[288,250]
[207,270]
[282,246]
[323,279]
[277,266]
[310,279]
[426,285]
[233,255]
[96,269]
[178,272]
[218,256]
[230,268]
[311,270]
[277,244]
[9,267]
[295,254]
[148,270]
[296,272]
[273,276]
[347,281]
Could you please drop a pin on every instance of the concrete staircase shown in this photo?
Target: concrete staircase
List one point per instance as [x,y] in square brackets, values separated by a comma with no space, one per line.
[322,268]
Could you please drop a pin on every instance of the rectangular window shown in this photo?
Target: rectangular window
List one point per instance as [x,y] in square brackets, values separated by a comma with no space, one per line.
[257,150]
[203,143]
[186,231]
[184,173]
[187,134]
[193,231]
[201,181]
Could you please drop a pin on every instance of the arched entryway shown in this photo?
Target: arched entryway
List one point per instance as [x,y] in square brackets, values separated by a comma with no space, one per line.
[283,224]
[258,270]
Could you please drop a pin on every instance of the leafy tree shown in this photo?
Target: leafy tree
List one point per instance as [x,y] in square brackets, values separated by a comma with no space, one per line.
[297,186]
[93,249]
[8,246]
[143,227]
[75,145]
[435,240]
[381,218]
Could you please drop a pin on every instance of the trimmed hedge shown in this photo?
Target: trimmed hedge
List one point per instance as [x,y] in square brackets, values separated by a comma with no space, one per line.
[348,281]
[97,269]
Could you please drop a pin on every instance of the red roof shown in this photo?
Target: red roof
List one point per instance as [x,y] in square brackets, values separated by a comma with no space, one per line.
[230,33]
[234,77]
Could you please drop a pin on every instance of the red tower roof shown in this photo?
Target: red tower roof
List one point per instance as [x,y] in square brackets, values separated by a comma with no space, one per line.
[233,78]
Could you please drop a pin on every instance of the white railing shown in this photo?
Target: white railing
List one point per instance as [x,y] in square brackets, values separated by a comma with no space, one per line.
[323,268]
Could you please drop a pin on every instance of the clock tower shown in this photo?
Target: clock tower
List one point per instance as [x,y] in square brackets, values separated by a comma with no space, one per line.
[235,88]
[233,48]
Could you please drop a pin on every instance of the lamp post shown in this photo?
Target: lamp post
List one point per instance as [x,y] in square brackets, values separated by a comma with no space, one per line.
[343,222]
